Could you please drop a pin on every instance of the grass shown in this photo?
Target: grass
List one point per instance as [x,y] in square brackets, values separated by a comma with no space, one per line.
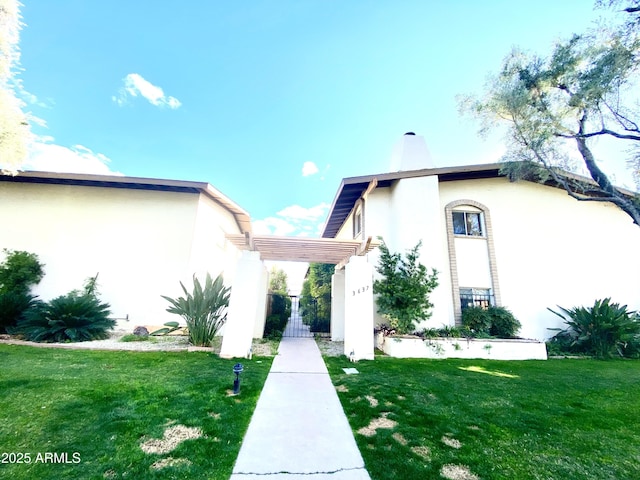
[103,405]
[552,419]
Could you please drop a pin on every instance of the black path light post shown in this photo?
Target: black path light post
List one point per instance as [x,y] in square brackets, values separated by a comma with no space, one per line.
[237,369]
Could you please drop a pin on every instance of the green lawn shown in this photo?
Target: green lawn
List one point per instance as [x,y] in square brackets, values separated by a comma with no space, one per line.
[555,419]
[98,408]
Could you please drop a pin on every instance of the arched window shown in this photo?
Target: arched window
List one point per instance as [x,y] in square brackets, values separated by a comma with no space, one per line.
[474,275]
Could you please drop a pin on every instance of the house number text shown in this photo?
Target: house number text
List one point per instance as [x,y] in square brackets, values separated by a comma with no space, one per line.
[360,290]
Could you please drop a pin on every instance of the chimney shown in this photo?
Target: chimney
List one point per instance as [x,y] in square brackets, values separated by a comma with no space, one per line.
[410,153]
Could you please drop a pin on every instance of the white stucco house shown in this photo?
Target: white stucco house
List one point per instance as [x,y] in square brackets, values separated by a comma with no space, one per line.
[522,245]
[142,236]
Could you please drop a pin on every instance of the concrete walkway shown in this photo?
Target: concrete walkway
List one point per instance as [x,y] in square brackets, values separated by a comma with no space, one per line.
[299,429]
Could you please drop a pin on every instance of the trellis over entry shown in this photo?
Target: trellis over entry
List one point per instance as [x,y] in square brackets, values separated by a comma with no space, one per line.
[351,289]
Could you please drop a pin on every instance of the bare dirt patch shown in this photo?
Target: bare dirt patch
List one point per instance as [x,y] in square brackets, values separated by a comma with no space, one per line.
[451,442]
[376,423]
[373,401]
[173,436]
[170,462]
[423,452]
[398,437]
[329,348]
[457,472]
[342,388]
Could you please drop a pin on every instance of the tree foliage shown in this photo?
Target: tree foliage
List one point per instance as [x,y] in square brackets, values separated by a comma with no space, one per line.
[403,291]
[555,107]
[14,128]
[278,281]
[315,299]
[19,272]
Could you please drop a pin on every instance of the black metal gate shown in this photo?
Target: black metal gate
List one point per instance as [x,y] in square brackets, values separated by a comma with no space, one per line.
[295,326]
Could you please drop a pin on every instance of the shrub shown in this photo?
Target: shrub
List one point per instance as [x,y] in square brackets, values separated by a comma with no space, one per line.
[320,325]
[477,320]
[75,317]
[503,323]
[18,273]
[492,321]
[280,311]
[403,291]
[274,327]
[602,330]
[13,306]
[204,310]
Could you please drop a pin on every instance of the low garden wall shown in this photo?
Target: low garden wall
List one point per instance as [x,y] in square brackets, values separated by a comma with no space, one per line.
[489,348]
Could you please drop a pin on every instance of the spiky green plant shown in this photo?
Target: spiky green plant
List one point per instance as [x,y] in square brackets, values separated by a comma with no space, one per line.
[602,330]
[204,310]
[75,317]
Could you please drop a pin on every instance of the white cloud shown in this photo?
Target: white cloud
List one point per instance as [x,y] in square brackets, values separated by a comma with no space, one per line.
[135,85]
[309,168]
[296,212]
[46,156]
[273,226]
[293,220]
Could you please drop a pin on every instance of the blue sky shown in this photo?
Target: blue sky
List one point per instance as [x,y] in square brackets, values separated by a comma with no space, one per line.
[272,102]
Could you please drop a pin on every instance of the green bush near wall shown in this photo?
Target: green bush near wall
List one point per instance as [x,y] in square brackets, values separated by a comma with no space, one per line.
[19,271]
[490,322]
[280,311]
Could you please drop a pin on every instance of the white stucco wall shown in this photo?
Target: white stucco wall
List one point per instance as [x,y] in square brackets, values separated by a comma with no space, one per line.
[142,243]
[473,262]
[402,215]
[550,249]
[553,250]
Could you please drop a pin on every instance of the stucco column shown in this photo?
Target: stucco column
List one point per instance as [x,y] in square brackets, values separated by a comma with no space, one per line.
[246,301]
[358,307]
[337,306]
[261,306]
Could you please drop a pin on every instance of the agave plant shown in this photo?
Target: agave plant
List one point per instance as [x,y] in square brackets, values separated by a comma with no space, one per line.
[204,310]
[601,330]
[75,317]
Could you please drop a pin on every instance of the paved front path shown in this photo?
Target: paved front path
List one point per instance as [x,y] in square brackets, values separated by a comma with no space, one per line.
[299,429]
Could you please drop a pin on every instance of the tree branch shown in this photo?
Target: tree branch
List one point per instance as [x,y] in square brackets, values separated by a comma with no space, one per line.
[604,131]
[600,178]
[612,195]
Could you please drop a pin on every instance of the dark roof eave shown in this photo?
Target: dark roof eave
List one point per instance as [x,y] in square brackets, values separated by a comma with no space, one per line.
[335,220]
[357,185]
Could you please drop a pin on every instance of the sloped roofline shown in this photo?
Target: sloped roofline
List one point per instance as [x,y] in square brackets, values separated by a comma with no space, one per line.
[240,215]
[352,188]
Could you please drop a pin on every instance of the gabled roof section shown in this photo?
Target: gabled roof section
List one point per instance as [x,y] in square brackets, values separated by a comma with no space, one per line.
[136,183]
[351,189]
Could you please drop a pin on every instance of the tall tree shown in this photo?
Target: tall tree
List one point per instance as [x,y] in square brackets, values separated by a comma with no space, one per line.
[555,107]
[14,128]
[278,281]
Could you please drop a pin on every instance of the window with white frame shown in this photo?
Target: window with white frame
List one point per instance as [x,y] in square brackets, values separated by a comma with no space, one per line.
[357,220]
[468,223]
